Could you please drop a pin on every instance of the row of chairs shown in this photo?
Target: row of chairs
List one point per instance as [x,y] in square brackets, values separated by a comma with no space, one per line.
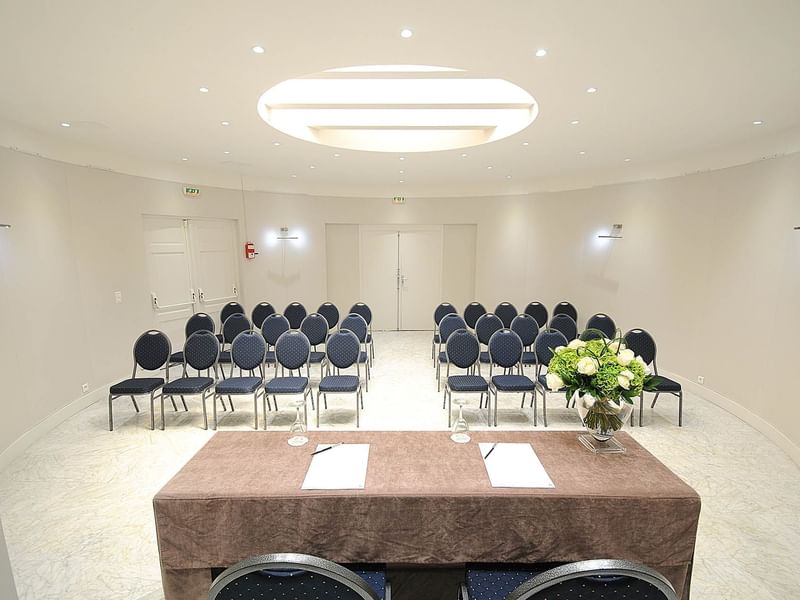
[302,577]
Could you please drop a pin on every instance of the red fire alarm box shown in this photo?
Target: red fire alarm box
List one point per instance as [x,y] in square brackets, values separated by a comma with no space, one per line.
[250,250]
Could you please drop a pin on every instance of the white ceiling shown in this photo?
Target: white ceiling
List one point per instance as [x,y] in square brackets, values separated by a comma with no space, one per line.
[679,82]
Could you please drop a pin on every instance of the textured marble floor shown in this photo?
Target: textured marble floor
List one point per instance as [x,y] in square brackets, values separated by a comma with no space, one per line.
[77,507]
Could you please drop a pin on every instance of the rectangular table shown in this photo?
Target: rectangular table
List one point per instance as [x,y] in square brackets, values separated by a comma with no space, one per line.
[427,501]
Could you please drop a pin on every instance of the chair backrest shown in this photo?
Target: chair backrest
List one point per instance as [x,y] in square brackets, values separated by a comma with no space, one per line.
[565,324]
[473,312]
[526,327]
[449,324]
[604,323]
[486,326]
[289,577]
[231,308]
[608,579]
[201,350]
[355,323]
[538,311]
[248,350]
[233,326]
[330,312]
[362,309]
[199,322]
[343,349]
[151,350]
[445,308]
[273,327]
[546,342]
[505,348]
[506,311]
[295,312]
[315,328]
[463,349]
[642,344]
[566,308]
[260,312]
[292,350]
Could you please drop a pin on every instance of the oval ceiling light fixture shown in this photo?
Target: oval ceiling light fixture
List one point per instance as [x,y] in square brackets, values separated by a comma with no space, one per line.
[397,108]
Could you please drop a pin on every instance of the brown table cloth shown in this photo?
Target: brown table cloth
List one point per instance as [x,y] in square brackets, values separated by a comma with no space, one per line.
[427,501]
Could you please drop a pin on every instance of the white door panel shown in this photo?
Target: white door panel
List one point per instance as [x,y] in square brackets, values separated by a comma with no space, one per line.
[379,276]
[420,261]
[213,251]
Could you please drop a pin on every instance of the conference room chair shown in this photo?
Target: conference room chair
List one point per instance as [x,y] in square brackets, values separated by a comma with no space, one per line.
[538,311]
[315,328]
[343,350]
[356,323]
[331,314]
[295,312]
[200,352]
[473,312]
[566,308]
[505,351]
[643,344]
[359,308]
[526,327]
[566,325]
[197,322]
[273,327]
[506,311]
[231,308]
[544,346]
[447,326]
[151,352]
[441,311]
[605,579]
[463,350]
[292,352]
[247,353]
[260,312]
[600,322]
[299,577]
[485,328]
[233,326]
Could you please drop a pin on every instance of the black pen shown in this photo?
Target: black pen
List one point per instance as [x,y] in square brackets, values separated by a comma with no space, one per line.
[490,451]
[328,448]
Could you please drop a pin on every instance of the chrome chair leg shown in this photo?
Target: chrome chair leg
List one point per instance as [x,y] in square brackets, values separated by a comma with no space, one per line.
[653,404]
[641,408]
[110,414]
[544,407]
[185,408]
[152,413]
[535,408]
[174,406]
[136,406]
[205,410]
[680,408]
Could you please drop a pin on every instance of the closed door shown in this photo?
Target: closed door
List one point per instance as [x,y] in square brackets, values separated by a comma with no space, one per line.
[379,277]
[213,251]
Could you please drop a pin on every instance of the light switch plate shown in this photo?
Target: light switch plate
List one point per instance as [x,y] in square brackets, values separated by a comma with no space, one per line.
[118,297]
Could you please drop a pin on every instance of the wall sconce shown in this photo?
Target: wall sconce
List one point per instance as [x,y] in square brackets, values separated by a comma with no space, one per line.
[616,233]
[8,226]
[285,235]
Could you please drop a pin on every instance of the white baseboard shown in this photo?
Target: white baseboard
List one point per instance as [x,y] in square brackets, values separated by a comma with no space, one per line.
[771,432]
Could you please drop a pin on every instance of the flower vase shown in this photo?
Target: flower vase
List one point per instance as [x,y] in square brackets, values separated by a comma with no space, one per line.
[602,417]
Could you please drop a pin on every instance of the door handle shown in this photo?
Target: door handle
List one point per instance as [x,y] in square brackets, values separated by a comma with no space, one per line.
[194,296]
[201,294]
[154,300]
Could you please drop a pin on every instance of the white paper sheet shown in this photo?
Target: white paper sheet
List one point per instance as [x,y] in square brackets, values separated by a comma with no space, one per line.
[340,468]
[514,466]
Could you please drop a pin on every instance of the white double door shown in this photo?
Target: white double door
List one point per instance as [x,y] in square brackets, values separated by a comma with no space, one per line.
[401,274]
[192,267]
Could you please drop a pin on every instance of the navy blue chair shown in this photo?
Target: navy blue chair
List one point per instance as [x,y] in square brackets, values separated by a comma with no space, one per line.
[505,351]
[583,580]
[295,312]
[292,352]
[247,353]
[151,352]
[566,325]
[315,328]
[231,308]
[463,350]
[473,312]
[273,327]
[566,308]
[200,352]
[197,322]
[449,324]
[356,323]
[538,311]
[233,326]
[506,311]
[343,350]
[544,346]
[643,344]
[260,312]
[526,327]
[359,308]
[444,309]
[299,577]
[599,325]
[485,328]
[331,314]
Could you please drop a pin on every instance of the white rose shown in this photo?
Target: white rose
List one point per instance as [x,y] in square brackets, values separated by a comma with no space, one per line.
[615,345]
[559,349]
[588,401]
[627,374]
[646,368]
[587,366]
[554,382]
[575,344]
[625,357]
[623,382]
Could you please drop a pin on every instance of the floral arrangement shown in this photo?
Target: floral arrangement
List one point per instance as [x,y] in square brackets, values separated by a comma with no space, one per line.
[604,374]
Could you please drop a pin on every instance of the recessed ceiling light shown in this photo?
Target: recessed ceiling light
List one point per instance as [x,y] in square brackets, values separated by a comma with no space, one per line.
[293,175]
[627,160]
[276,143]
[591,90]
[65,124]
[758,122]
[575,122]
[541,52]
[258,49]
[525,143]
[225,123]
[402,158]
[508,176]
[406,33]
[582,152]
[184,158]
[204,90]
[336,155]
[311,167]
[401,181]
[226,151]
[490,167]
[401,172]
[463,155]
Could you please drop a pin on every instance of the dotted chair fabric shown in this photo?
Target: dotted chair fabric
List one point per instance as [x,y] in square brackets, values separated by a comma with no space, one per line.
[273,327]
[343,349]
[538,311]
[295,312]
[566,325]
[566,308]
[359,308]
[231,308]
[473,312]
[642,344]
[445,308]
[248,350]
[604,323]
[292,350]
[152,350]
[487,326]
[201,350]
[505,348]
[355,323]
[526,327]
[233,326]
[463,349]
[330,312]
[315,328]
[506,311]
[260,312]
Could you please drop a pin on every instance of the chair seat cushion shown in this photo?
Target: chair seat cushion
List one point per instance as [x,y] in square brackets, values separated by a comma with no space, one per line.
[338,383]
[238,385]
[316,357]
[224,356]
[528,358]
[484,358]
[512,383]
[376,578]
[287,385]
[176,357]
[542,380]
[467,383]
[667,385]
[188,385]
[496,584]
[138,385]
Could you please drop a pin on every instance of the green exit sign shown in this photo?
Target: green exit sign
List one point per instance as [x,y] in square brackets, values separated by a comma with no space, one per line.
[191,191]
